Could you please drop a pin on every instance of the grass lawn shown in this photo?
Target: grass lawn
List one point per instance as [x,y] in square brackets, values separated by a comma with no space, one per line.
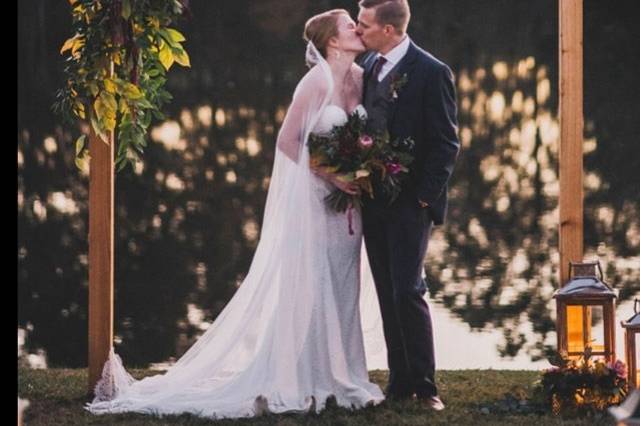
[472,397]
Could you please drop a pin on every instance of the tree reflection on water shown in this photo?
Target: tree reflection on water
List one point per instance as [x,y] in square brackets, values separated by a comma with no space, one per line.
[188,219]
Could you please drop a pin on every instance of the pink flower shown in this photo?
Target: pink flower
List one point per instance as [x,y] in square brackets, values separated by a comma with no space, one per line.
[620,368]
[394,168]
[366,141]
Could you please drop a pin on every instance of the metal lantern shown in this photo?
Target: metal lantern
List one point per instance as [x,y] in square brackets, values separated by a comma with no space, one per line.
[631,334]
[581,303]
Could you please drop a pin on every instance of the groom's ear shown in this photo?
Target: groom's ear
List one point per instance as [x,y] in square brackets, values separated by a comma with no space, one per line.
[388,30]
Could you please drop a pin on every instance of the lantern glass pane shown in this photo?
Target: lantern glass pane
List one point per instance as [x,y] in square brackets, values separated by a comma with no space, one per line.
[636,337]
[597,328]
[575,326]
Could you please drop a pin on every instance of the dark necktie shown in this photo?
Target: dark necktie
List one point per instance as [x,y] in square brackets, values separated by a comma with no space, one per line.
[378,67]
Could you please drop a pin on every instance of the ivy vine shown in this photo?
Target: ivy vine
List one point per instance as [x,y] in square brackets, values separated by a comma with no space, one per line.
[116,70]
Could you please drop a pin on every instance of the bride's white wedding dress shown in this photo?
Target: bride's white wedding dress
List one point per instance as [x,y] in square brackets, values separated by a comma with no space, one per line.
[291,336]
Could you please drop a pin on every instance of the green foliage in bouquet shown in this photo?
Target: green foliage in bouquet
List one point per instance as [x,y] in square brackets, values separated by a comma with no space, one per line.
[355,156]
[584,386]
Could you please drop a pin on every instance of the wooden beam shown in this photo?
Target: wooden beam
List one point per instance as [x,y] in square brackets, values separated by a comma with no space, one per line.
[571,134]
[101,251]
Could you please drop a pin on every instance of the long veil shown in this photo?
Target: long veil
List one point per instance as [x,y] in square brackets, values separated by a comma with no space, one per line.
[255,341]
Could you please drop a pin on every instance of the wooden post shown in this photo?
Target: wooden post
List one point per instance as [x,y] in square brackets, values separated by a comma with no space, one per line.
[571,133]
[609,313]
[101,262]
[631,357]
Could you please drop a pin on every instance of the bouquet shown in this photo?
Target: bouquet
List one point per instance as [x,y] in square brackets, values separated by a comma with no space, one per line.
[355,156]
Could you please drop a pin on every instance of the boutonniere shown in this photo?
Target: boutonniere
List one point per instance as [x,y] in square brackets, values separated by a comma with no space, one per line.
[397,83]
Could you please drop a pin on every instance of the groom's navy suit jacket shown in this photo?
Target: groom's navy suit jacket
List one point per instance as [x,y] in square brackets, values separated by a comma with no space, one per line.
[424,110]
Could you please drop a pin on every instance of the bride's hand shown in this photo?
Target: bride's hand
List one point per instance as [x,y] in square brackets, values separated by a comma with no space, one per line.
[350,188]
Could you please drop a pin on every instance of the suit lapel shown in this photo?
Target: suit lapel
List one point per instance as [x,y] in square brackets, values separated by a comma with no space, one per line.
[368,63]
[404,67]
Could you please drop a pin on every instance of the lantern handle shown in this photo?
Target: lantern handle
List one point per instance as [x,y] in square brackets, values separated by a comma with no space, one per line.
[600,269]
[572,264]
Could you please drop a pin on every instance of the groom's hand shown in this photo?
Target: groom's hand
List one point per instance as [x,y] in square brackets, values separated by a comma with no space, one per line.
[423,204]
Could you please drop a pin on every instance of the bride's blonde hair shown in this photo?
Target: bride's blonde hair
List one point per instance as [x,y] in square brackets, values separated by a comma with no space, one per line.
[321,27]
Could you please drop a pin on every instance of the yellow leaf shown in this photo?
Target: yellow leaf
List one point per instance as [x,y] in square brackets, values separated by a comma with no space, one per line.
[77,44]
[82,163]
[98,129]
[132,91]
[175,35]
[109,123]
[137,29]
[98,106]
[166,57]
[105,107]
[68,44]
[182,58]
[79,109]
[110,101]
[80,144]
[124,107]
[109,85]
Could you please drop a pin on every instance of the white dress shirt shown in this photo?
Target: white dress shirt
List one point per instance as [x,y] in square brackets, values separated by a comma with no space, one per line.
[393,57]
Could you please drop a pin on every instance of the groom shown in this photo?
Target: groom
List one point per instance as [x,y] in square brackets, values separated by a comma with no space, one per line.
[408,93]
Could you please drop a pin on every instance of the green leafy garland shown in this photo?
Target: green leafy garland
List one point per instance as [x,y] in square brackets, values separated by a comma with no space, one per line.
[116,66]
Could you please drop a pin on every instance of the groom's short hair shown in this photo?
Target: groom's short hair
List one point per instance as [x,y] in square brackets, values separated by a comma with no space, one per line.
[390,12]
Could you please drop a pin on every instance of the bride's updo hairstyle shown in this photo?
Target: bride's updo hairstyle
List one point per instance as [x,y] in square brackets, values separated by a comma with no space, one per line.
[320,28]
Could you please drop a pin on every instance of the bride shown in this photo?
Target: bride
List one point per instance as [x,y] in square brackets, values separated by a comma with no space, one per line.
[291,336]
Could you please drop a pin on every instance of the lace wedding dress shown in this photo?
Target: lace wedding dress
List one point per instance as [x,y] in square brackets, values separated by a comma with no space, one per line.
[291,336]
